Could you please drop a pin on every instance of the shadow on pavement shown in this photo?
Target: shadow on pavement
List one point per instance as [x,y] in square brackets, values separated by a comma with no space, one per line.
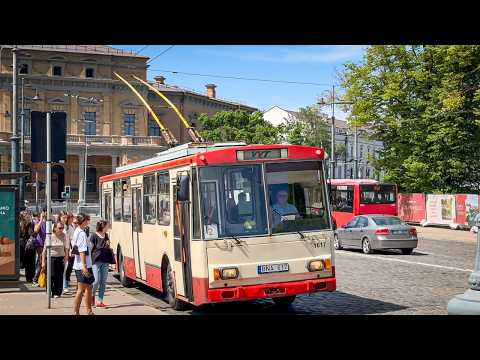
[336,303]
[388,252]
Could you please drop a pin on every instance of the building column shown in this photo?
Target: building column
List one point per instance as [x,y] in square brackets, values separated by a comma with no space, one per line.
[114,162]
[81,177]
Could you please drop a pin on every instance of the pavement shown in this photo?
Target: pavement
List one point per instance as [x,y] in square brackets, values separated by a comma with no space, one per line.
[20,298]
[383,283]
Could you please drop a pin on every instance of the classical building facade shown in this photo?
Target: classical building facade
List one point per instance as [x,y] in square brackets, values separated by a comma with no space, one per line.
[105,120]
[344,137]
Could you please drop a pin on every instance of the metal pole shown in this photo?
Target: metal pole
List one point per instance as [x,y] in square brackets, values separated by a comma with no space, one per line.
[469,302]
[36,190]
[332,160]
[14,138]
[355,168]
[85,174]
[49,205]
[346,152]
[22,146]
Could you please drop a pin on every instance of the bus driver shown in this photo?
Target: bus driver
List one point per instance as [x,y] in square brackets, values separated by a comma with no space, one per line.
[282,207]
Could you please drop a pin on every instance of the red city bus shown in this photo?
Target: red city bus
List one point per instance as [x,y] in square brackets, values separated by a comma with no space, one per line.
[207,223]
[351,197]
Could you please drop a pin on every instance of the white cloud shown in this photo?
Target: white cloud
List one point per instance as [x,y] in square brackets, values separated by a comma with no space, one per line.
[297,54]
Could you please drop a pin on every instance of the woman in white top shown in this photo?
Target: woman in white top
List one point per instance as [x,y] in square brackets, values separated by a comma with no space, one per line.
[82,265]
[58,257]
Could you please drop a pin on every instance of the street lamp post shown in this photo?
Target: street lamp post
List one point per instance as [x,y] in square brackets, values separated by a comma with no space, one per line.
[14,139]
[469,302]
[333,102]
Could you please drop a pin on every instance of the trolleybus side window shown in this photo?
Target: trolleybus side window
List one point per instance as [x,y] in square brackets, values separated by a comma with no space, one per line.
[127,201]
[163,194]
[195,206]
[149,199]
[117,204]
[342,198]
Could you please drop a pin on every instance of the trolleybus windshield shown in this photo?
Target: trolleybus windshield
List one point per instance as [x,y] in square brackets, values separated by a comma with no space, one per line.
[297,196]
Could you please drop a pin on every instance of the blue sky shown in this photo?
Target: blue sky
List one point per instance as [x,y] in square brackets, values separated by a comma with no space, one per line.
[312,63]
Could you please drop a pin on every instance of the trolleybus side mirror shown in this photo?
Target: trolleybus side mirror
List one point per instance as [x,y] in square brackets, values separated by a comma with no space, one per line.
[183,188]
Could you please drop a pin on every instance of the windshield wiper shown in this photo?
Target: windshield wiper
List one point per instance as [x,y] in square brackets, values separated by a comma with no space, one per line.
[236,239]
[302,235]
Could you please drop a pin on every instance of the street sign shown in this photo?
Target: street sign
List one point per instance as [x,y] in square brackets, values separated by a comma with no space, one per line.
[39,138]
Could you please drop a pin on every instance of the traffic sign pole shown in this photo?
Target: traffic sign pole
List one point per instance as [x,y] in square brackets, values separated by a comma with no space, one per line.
[48,190]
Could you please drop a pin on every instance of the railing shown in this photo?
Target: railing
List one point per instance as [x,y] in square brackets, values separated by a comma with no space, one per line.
[101,140]
[97,49]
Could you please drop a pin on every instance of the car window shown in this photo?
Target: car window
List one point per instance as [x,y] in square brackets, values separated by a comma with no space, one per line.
[352,223]
[362,222]
[384,220]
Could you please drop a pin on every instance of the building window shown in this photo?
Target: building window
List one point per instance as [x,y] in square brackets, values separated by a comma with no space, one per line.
[23,69]
[153,128]
[90,121]
[129,124]
[57,71]
[368,173]
[163,193]
[91,179]
[89,72]
[361,151]
[149,199]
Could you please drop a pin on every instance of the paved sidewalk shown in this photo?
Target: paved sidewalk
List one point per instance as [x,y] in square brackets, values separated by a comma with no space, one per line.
[19,298]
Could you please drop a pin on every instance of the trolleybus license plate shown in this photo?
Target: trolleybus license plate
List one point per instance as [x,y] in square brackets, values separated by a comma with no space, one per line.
[263,269]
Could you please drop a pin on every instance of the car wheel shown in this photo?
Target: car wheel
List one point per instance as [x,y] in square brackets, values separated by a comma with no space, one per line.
[284,301]
[126,282]
[336,243]
[169,290]
[407,251]
[366,246]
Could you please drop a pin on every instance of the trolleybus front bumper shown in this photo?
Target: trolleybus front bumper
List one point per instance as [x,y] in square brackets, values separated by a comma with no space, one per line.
[271,290]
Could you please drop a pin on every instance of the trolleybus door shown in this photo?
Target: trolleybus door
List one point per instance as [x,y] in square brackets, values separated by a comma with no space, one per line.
[181,196]
[137,228]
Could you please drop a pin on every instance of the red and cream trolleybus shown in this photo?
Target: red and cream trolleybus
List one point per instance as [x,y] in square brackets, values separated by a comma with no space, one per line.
[206,223]
[352,197]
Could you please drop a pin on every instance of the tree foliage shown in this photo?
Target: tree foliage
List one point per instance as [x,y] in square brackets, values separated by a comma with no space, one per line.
[308,127]
[423,102]
[239,126]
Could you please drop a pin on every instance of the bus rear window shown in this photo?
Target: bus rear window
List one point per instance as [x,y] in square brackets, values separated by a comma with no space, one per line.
[377,194]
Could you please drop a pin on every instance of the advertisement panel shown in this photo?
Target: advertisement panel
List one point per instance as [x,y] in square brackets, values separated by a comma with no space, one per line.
[441,209]
[411,207]
[472,208]
[460,210]
[9,246]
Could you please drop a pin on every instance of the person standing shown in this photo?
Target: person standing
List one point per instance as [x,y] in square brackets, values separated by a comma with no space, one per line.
[40,230]
[26,236]
[69,230]
[58,258]
[101,261]
[82,265]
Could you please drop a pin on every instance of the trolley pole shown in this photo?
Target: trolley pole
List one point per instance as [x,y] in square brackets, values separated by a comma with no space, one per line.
[48,190]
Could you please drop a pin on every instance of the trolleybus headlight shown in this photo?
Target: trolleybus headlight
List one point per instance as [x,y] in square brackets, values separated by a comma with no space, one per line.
[315,265]
[225,274]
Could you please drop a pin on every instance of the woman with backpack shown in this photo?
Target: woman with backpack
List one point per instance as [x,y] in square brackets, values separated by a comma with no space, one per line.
[101,258]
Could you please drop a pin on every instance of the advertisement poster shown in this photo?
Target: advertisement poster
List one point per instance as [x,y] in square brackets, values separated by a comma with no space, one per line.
[411,207]
[460,210]
[471,208]
[441,209]
[8,227]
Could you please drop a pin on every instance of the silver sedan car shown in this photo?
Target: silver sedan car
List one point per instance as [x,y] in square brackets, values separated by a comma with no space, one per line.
[372,232]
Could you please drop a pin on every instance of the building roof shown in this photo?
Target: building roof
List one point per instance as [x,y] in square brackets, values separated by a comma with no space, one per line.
[177,89]
[82,49]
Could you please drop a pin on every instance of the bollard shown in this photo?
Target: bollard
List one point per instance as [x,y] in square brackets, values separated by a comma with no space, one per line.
[469,302]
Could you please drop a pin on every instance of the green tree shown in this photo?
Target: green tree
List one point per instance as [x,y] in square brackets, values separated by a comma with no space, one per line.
[423,102]
[239,126]
[308,127]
